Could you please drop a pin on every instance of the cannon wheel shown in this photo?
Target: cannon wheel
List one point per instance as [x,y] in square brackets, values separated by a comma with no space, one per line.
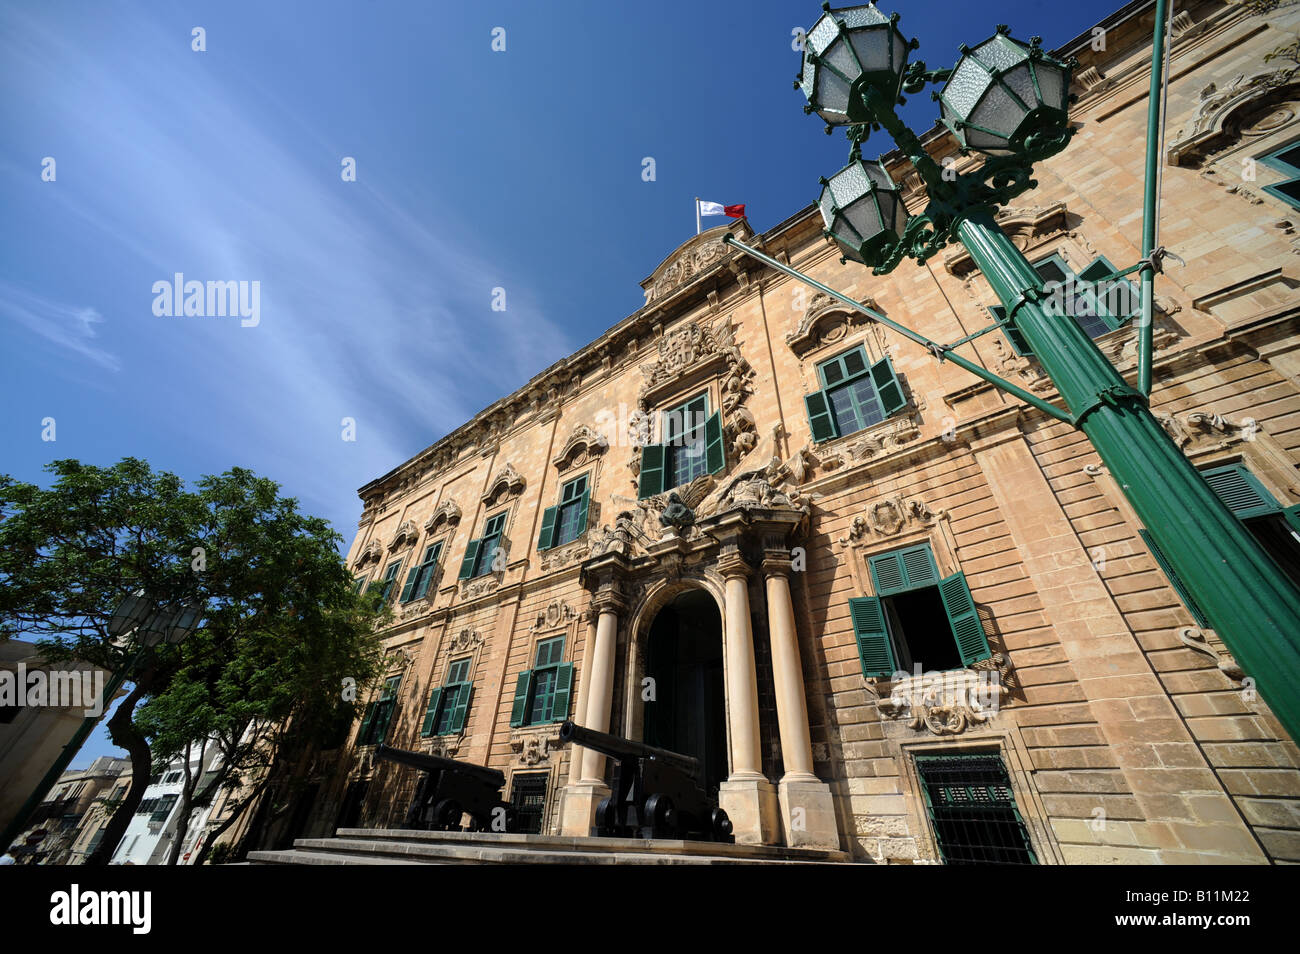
[605,818]
[661,815]
[446,815]
[720,824]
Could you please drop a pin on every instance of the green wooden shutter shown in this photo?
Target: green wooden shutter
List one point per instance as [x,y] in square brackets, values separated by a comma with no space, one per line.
[460,708]
[582,510]
[431,714]
[1013,335]
[1112,300]
[715,455]
[887,573]
[366,722]
[411,576]
[471,555]
[652,471]
[820,419]
[967,628]
[902,570]
[1175,581]
[888,388]
[563,687]
[521,697]
[919,566]
[1237,487]
[873,637]
[546,539]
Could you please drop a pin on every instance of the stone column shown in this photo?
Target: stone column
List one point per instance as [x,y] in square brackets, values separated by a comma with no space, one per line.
[807,810]
[747,796]
[576,754]
[581,796]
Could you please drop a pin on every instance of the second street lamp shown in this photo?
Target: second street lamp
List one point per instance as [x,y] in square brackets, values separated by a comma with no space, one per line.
[1009,100]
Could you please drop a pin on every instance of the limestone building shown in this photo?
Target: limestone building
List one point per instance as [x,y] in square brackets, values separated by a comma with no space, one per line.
[852,515]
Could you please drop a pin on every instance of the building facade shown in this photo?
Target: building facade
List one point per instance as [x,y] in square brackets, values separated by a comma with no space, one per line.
[67,824]
[888,607]
[155,824]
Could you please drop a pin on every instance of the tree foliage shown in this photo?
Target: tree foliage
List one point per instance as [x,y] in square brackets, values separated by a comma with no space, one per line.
[282,626]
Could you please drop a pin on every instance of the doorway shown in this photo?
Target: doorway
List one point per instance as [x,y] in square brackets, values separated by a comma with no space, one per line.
[687,713]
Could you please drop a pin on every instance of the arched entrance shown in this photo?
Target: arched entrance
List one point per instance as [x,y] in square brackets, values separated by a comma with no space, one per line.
[684,658]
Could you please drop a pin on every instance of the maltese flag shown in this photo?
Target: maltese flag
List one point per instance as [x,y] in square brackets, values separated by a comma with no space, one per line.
[717,208]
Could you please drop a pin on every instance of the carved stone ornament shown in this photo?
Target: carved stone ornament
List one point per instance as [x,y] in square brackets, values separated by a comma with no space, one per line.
[464,641]
[534,746]
[444,746]
[1247,106]
[406,534]
[472,589]
[582,444]
[883,438]
[557,613]
[691,260]
[1195,638]
[508,482]
[825,321]
[448,512]
[947,703]
[1195,431]
[372,551]
[889,516]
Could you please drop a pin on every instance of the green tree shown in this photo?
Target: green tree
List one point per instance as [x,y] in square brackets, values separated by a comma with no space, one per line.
[282,628]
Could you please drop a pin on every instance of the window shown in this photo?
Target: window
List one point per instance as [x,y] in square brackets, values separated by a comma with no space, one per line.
[972,810]
[1276,528]
[854,395]
[163,808]
[542,693]
[449,703]
[171,778]
[385,583]
[528,796]
[1287,161]
[1096,307]
[481,553]
[359,583]
[567,520]
[692,447]
[421,575]
[374,725]
[916,618]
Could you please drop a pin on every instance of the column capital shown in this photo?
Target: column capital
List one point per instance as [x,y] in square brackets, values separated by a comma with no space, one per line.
[731,562]
[777,563]
[608,601]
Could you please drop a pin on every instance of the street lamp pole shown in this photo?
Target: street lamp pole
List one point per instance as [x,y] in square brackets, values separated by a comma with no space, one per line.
[1009,101]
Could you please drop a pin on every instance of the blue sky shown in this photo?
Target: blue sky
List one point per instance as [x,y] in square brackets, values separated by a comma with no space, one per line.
[476,169]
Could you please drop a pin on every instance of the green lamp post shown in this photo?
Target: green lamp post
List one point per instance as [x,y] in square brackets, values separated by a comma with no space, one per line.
[1009,101]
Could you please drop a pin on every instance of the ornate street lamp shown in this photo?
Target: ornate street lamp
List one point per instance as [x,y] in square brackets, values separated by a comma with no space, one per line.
[1009,100]
[862,209]
[1006,98]
[847,53]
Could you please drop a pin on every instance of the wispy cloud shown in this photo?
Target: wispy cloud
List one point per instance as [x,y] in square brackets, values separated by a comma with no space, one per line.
[370,308]
[71,327]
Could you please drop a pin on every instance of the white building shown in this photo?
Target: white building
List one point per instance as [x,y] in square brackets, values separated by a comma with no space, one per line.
[153,828]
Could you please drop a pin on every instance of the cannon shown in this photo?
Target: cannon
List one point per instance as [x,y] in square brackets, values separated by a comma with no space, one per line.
[448,788]
[657,793]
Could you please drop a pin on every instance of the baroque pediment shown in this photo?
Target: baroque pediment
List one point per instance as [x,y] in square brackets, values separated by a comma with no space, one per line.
[825,321]
[448,512]
[692,259]
[508,482]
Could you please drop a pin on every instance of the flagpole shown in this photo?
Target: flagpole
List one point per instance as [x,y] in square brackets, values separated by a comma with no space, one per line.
[697,215]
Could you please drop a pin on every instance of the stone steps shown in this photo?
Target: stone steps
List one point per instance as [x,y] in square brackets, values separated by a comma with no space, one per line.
[399,846]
